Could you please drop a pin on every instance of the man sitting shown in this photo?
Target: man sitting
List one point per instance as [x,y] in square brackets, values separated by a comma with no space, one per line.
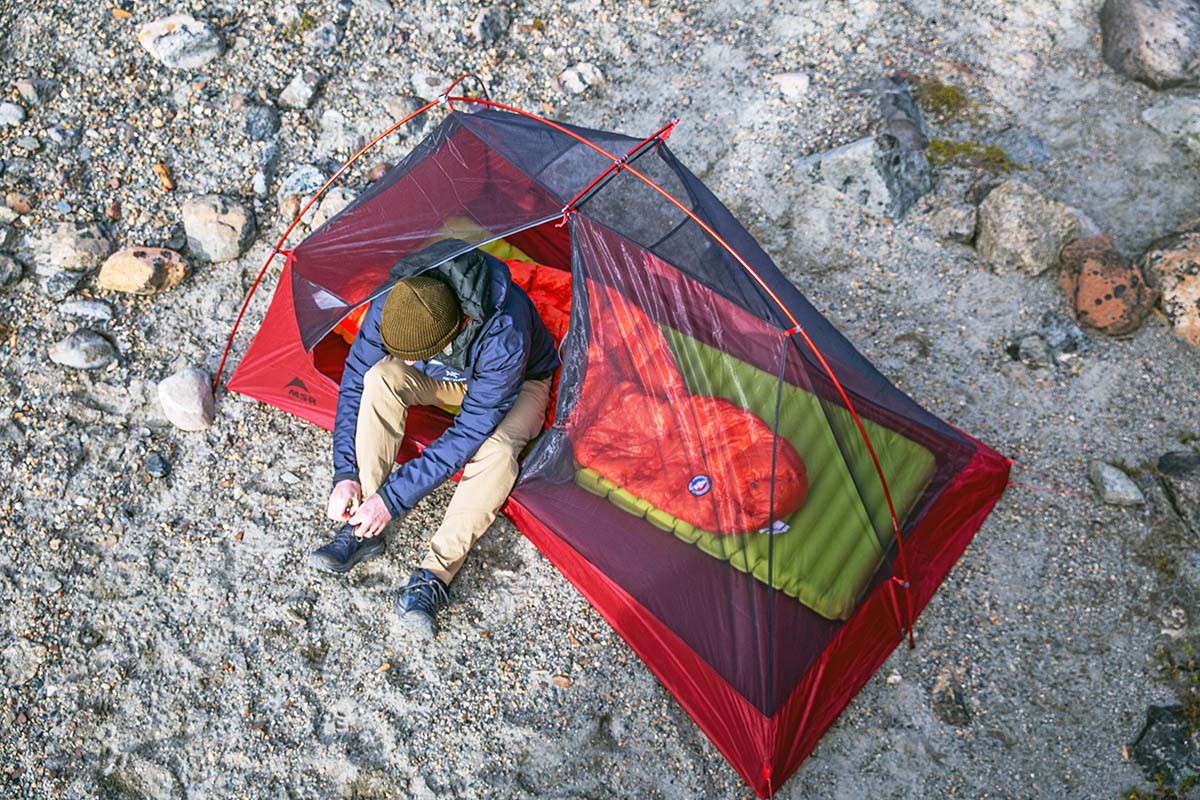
[462,335]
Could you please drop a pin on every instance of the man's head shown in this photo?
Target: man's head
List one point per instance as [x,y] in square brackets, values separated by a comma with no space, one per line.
[420,317]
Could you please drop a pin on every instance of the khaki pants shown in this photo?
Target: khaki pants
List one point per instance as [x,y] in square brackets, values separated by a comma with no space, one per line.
[389,388]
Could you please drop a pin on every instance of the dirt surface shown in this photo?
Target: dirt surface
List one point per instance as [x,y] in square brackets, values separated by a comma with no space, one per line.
[163,638]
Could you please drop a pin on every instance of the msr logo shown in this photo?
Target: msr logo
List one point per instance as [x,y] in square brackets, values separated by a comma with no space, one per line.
[298,391]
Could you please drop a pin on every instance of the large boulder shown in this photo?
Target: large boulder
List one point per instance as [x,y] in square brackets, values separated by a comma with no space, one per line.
[1018,228]
[218,229]
[187,399]
[1108,291]
[880,174]
[1172,262]
[181,42]
[1156,42]
[143,270]
[72,246]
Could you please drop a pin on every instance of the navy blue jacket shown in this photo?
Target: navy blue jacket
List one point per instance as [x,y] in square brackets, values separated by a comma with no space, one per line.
[510,347]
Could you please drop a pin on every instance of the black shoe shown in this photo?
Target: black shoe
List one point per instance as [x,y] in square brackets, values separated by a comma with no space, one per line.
[420,602]
[346,550]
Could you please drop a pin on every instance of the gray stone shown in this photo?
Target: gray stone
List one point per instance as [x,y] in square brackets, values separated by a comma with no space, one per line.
[218,228]
[338,134]
[577,78]
[1113,486]
[489,25]
[954,223]
[22,659]
[260,123]
[879,174]
[58,284]
[1156,42]
[83,349]
[11,270]
[1178,119]
[1032,351]
[1166,750]
[157,466]
[72,246]
[301,90]
[181,42]
[901,117]
[300,182]
[187,400]
[91,310]
[1062,335]
[1020,229]
[11,115]
[947,701]
[37,91]
[62,137]
[7,215]
[29,144]
[792,85]
[1180,472]
[323,38]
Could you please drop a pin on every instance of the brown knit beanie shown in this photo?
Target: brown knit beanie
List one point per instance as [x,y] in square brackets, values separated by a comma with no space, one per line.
[420,317]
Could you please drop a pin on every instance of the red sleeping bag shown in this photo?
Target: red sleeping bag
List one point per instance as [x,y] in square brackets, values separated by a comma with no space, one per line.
[703,460]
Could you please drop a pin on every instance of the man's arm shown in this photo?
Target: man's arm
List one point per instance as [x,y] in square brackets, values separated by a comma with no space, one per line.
[493,389]
[366,351]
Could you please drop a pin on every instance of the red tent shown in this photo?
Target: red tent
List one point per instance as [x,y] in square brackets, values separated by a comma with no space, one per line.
[747,501]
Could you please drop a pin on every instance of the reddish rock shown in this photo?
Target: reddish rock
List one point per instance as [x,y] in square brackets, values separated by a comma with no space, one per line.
[1108,291]
[1173,264]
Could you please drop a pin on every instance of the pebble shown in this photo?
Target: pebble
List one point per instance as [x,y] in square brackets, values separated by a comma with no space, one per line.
[261,122]
[1113,486]
[11,115]
[29,144]
[218,228]
[63,137]
[37,91]
[83,349]
[378,171]
[72,246]
[338,134]
[793,85]
[947,701]
[22,659]
[187,400]
[1108,291]
[290,478]
[91,310]
[1018,228]
[1173,263]
[143,270]
[577,78]
[301,90]
[157,466]
[954,223]
[11,270]
[323,38]
[181,42]
[58,284]
[1156,42]
[300,182]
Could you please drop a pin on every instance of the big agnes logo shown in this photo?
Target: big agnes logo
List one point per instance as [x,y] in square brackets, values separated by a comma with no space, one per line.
[298,391]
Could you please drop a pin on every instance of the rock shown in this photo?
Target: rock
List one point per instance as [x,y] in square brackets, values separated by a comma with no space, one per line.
[11,270]
[83,349]
[1172,264]
[577,78]
[181,42]
[428,85]
[72,246]
[793,85]
[338,134]
[1113,486]
[1020,229]
[901,117]
[92,310]
[1021,146]
[1108,291]
[261,122]
[157,466]
[1032,351]
[378,171]
[37,91]
[332,203]
[22,660]
[1062,335]
[1180,473]
[299,93]
[17,202]
[1156,42]
[947,701]
[62,137]
[187,399]
[301,182]
[1166,750]
[879,174]
[59,283]
[489,25]
[218,228]
[1178,119]
[11,115]
[954,223]
[143,270]
[323,38]
[29,144]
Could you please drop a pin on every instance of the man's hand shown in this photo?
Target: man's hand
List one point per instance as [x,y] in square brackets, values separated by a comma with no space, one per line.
[344,500]
[370,518]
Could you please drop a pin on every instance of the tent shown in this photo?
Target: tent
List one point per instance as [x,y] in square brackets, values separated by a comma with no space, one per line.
[748,502]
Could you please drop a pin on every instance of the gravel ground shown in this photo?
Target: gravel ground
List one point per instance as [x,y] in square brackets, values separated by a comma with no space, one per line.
[175,644]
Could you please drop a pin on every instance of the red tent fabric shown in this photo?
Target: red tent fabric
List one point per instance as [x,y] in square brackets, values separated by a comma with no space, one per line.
[684,334]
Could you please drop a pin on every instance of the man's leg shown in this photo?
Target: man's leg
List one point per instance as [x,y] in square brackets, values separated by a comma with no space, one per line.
[389,388]
[487,479]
